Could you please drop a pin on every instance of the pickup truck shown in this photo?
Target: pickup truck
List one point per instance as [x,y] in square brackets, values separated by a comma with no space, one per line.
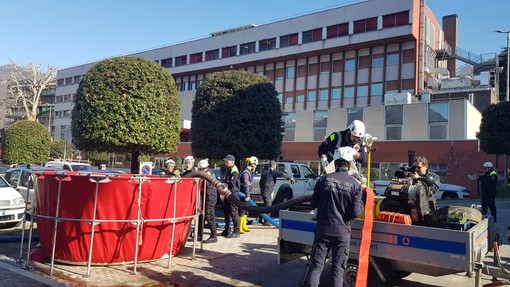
[284,190]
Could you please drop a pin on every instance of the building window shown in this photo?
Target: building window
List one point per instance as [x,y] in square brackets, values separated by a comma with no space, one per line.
[408,56]
[325,68]
[300,97]
[212,55]
[438,120]
[247,48]
[180,61]
[280,73]
[350,64]
[377,60]
[323,95]
[288,40]
[289,74]
[289,126]
[280,97]
[60,82]
[196,58]
[354,114]
[348,92]
[229,52]
[311,96]
[166,63]
[76,79]
[320,122]
[362,91]
[289,98]
[392,59]
[69,81]
[313,69]
[392,87]
[376,89]
[364,62]
[267,44]
[312,35]
[394,117]
[339,30]
[336,93]
[365,25]
[396,19]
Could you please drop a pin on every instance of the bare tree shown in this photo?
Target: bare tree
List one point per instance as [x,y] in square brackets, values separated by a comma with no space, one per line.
[26,85]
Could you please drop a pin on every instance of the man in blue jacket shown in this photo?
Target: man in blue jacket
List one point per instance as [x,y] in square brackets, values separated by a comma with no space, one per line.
[338,199]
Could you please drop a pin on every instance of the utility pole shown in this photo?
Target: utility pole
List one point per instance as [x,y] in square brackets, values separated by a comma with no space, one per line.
[505,164]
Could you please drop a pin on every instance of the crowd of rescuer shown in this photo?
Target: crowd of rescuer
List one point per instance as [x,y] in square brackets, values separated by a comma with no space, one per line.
[230,209]
[211,197]
[189,165]
[170,169]
[338,199]
[350,137]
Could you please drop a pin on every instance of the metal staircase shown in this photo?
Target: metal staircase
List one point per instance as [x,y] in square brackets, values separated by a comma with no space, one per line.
[480,63]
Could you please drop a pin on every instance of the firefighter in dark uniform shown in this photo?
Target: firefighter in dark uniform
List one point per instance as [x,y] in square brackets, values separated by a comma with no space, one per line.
[230,209]
[489,181]
[338,199]
[267,183]
[352,136]
[211,197]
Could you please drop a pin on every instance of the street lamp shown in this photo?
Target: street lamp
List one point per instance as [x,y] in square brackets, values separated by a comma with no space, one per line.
[505,164]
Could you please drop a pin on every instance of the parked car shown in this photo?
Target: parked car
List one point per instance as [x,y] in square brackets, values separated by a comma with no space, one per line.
[446,190]
[12,205]
[23,180]
[71,166]
[3,170]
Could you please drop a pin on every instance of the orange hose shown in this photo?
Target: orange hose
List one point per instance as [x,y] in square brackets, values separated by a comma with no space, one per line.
[366,239]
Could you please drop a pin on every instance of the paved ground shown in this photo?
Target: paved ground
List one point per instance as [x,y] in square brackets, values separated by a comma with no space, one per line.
[247,261]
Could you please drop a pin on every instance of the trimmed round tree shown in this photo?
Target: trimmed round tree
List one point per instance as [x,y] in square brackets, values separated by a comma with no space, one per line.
[26,142]
[127,104]
[494,131]
[237,113]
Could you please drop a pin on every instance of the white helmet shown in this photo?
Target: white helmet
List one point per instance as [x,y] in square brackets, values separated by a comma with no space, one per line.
[346,153]
[357,128]
[203,164]
[252,159]
[488,164]
[170,161]
[189,158]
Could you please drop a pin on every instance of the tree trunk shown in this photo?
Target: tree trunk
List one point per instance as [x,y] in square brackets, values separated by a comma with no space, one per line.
[134,162]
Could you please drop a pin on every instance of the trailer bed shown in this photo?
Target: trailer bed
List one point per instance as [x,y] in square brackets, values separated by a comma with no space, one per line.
[410,248]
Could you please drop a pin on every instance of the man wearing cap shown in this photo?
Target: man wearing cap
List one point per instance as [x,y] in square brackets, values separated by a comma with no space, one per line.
[230,209]
[267,183]
[189,165]
[338,199]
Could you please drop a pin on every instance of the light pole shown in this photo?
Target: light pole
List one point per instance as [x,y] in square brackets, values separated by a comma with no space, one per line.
[505,164]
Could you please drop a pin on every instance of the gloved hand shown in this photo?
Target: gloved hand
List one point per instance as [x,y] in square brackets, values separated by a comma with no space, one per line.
[324,162]
[292,181]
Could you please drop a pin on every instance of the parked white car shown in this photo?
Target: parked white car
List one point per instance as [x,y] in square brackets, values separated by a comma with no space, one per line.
[446,190]
[12,205]
[71,166]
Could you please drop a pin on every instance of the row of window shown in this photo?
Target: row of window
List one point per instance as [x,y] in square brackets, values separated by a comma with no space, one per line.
[394,115]
[63,114]
[324,68]
[69,81]
[64,98]
[333,31]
